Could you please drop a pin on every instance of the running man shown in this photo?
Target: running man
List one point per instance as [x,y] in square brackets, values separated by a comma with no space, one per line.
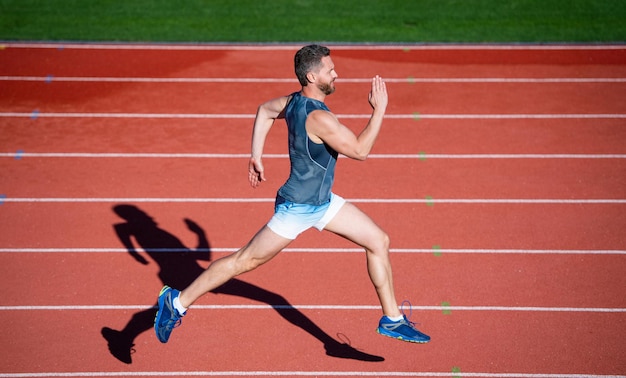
[316,137]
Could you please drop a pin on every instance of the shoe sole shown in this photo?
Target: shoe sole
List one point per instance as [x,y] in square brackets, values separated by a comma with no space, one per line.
[401,338]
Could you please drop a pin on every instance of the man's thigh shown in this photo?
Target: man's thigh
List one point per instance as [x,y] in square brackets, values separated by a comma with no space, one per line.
[353,224]
[264,246]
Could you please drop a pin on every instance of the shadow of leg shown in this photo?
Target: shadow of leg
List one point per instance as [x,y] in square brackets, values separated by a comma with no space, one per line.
[333,347]
[121,343]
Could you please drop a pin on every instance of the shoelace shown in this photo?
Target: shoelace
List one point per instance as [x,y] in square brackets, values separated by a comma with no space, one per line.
[406,318]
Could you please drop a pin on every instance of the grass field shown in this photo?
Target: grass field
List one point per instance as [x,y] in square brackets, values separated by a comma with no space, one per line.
[406,21]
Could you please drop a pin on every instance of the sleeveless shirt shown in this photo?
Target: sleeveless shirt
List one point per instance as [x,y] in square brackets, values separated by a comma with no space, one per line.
[312,164]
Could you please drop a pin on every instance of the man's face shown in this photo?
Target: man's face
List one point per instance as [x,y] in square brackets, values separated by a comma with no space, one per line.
[326,76]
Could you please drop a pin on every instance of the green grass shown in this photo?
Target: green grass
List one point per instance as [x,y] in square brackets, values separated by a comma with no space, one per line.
[417,21]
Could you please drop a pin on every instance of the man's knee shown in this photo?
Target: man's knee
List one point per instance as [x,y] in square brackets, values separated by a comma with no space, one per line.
[385,241]
[245,263]
[380,244]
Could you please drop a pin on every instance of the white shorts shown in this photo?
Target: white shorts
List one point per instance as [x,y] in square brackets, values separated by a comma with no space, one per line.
[291,219]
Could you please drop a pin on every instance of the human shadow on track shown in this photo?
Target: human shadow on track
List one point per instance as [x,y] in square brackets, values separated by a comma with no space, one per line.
[179,267]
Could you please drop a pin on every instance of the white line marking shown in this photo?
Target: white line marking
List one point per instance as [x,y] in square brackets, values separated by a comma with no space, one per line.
[100,200]
[313,307]
[135,155]
[498,156]
[409,80]
[492,201]
[331,250]
[533,80]
[510,116]
[307,374]
[38,114]
[421,156]
[355,200]
[126,115]
[49,79]
[302,374]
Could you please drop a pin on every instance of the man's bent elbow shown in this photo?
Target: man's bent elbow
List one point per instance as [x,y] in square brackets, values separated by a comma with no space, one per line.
[361,155]
[354,152]
[356,156]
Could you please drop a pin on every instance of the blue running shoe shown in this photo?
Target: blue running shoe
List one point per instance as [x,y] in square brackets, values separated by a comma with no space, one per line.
[402,330]
[167,317]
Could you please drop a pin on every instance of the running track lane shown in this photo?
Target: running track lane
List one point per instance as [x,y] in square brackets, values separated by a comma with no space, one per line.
[576,178]
[428,136]
[519,226]
[509,348]
[424,98]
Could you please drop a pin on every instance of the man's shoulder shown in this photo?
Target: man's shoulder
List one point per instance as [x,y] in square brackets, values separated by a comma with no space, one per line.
[319,119]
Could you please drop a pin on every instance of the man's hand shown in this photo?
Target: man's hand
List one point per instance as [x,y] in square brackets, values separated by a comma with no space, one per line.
[255,172]
[378,96]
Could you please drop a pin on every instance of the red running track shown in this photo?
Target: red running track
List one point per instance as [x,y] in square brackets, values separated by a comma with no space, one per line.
[500,176]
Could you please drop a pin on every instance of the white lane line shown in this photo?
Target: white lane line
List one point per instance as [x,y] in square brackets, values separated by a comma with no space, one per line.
[333,250]
[37,114]
[21,154]
[300,373]
[161,200]
[428,201]
[314,307]
[491,201]
[421,156]
[409,80]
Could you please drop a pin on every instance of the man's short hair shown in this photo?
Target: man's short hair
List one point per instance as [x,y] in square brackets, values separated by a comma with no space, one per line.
[308,59]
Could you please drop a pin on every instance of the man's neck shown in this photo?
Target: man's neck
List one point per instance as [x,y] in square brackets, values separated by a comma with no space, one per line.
[313,92]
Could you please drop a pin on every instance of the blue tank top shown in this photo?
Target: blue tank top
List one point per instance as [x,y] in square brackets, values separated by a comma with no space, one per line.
[312,164]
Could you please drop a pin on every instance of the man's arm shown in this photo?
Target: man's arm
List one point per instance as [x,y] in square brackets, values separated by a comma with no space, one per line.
[266,114]
[324,126]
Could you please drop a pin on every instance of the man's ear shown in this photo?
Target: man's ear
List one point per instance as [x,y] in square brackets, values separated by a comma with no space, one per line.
[310,77]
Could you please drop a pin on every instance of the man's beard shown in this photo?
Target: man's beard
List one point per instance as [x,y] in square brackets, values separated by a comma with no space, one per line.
[326,88]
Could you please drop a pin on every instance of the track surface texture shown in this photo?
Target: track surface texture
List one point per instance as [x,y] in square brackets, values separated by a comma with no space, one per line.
[500,176]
